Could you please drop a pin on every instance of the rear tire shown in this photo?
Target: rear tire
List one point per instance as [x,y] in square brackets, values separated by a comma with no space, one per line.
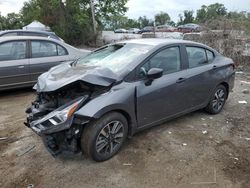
[217,100]
[103,138]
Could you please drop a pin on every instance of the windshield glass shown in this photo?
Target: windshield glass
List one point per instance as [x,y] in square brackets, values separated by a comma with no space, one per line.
[115,57]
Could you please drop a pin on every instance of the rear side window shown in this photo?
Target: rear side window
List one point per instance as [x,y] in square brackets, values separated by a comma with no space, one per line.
[13,50]
[196,56]
[46,49]
[43,49]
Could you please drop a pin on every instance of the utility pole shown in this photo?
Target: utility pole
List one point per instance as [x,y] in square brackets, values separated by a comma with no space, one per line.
[93,15]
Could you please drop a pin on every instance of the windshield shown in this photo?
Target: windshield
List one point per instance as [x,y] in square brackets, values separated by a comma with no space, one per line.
[115,57]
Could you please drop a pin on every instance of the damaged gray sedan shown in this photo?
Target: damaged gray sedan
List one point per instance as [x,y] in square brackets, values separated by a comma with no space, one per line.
[93,104]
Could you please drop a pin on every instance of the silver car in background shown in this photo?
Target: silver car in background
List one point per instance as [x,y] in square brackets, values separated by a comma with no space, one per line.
[24,58]
[20,32]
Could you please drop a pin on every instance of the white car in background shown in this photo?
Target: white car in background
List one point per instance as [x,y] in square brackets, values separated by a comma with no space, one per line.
[134,30]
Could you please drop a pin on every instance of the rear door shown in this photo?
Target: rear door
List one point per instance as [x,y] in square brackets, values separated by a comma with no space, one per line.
[14,64]
[44,55]
[200,75]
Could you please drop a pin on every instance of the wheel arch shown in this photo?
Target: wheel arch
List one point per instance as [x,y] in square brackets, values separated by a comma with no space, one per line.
[127,116]
[226,85]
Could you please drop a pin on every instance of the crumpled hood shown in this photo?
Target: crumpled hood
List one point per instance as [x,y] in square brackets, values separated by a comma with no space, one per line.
[65,74]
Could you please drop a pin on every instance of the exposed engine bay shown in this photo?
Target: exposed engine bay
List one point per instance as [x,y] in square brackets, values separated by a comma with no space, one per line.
[51,115]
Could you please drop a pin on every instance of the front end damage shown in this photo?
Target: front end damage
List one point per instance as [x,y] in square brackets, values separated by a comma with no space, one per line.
[52,116]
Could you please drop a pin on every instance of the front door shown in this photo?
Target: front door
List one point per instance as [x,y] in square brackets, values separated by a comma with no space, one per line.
[165,96]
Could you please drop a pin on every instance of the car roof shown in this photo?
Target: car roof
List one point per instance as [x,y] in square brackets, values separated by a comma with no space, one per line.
[8,38]
[158,41]
[27,31]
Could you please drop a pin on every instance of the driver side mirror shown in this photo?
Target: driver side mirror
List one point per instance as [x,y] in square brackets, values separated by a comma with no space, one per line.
[154,73]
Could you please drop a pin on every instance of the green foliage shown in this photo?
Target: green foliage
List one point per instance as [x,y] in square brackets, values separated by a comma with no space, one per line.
[72,20]
[31,11]
[11,21]
[144,21]
[162,18]
[215,16]
[116,22]
[212,11]
[188,17]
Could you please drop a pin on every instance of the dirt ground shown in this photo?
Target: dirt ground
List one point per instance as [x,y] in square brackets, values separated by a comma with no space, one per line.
[196,150]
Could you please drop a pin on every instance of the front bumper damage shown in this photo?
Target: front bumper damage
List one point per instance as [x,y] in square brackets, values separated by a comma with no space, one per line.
[57,136]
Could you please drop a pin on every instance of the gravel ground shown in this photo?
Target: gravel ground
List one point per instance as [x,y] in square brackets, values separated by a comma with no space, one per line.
[196,150]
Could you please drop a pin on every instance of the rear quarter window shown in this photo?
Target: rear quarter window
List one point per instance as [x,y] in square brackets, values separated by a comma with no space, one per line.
[61,51]
[210,56]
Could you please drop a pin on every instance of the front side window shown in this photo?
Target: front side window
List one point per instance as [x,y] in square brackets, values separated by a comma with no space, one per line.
[196,56]
[13,50]
[167,59]
[43,49]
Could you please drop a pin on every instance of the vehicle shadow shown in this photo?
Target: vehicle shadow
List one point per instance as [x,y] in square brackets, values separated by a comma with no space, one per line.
[173,122]
[130,143]
[16,92]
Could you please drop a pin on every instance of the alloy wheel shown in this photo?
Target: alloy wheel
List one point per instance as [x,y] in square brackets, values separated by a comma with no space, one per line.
[219,99]
[110,138]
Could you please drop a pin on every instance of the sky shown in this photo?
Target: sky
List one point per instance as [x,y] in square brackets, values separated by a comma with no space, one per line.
[149,7]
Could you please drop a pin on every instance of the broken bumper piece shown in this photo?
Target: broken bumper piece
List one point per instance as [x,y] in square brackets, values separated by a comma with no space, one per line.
[59,129]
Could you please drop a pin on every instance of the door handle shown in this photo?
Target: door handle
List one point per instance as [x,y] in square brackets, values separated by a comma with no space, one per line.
[180,80]
[20,67]
[214,67]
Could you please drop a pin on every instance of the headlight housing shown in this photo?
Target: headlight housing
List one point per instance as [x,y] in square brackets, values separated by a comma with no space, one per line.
[58,117]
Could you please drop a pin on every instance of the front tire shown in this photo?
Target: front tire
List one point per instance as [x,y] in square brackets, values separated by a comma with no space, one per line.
[103,138]
[217,100]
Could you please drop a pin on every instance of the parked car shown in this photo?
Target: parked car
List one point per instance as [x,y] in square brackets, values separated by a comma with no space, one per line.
[134,30]
[165,28]
[120,31]
[30,33]
[95,103]
[23,59]
[190,27]
[147,29]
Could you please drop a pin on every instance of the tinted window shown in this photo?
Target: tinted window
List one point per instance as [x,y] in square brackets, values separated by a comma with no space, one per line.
[61,50]
[13,50]
[210,56]
[167,59]
[43,49]
[196,56]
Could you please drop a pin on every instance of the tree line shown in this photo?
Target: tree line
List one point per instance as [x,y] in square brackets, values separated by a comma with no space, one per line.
[71,19]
